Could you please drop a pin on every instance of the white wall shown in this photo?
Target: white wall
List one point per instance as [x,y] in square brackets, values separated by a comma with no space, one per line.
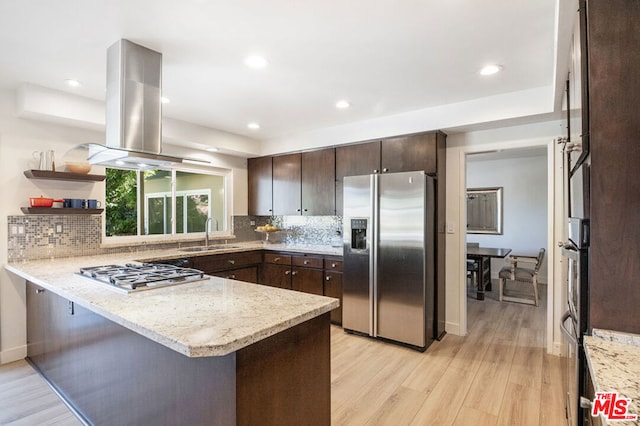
[524,183]
[19,137]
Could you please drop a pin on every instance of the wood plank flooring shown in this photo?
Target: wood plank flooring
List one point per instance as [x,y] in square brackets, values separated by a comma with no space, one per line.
[499,374]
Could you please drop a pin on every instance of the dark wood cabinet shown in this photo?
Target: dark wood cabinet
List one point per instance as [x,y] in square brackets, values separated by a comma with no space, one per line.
[613,129]
[333,285]
[358,159]
[276,275]
[276,270]
[355,160]
[307,280]
[409,153]
[318,182]
[249,274]
[287,175]
[260,171]
[242,266]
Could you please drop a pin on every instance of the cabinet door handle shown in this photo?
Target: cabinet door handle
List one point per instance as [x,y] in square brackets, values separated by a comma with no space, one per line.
[306,262]
[39,290]
[376,171]
[306,210]
[231,261]
[385,170]
[297,210]
[270,210]
[328,278]
[277,259]
[287,272]
[294,273]
[333,265]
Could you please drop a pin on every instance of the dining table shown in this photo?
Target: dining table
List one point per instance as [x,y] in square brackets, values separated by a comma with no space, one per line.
[482,257]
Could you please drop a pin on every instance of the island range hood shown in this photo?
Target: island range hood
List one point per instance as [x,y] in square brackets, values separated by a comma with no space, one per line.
[133,110]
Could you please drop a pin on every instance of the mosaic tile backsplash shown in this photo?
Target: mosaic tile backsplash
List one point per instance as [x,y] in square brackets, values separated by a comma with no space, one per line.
[50,236]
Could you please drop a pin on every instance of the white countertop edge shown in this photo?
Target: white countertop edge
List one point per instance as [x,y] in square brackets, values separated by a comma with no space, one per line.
[192,351]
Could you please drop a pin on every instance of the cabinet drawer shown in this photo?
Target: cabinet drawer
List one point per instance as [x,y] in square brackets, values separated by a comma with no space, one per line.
[333,265]
[249,275]
[280,259]
[307,261]
[221,262]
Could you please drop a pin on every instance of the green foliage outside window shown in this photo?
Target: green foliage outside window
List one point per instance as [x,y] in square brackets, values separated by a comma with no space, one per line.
[121,199]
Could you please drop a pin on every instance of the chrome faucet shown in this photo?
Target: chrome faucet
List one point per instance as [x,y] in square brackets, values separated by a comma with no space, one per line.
[206,231]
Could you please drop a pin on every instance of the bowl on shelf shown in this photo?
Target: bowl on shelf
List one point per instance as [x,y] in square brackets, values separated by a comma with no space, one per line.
[77,167]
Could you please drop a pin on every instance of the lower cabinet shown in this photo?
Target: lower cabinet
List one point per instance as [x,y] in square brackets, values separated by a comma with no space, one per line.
[312,274]
[249,275]
[242,266]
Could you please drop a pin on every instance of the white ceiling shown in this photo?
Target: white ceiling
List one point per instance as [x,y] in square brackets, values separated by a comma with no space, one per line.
[385,57]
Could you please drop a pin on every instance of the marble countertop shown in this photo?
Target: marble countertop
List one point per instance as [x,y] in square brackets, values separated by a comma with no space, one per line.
[614,363]
[213,317]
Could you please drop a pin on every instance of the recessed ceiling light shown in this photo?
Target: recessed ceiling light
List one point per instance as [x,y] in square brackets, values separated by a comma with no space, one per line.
[343,104]
[72,83]
[255,61]
[490,69]
[165,100]
[253,126]
[213,149]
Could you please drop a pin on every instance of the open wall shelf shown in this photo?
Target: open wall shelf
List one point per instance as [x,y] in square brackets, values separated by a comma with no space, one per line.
[78,177]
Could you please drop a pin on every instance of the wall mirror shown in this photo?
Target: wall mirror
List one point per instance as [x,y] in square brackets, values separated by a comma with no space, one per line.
[484,211]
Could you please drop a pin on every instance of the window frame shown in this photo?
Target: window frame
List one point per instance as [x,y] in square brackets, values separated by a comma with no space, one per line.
[141,238]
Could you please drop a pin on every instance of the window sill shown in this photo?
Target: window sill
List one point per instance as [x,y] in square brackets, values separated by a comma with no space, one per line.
[150,240]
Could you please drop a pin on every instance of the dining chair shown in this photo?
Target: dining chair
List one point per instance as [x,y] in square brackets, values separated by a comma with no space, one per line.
[514,273]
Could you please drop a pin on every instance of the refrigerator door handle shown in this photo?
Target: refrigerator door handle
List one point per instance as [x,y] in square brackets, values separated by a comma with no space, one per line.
[567,315]
[373,258]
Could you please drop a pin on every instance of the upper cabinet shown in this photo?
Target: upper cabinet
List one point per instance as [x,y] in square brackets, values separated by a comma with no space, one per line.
[287,174]
[358,159]
[304,183]
[260,186]
[409,153]
[310,183]
[318,182]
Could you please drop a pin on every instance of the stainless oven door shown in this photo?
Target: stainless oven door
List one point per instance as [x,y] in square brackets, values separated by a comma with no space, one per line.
[568,327]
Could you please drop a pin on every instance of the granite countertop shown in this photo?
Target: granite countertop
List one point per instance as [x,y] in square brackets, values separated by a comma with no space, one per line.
[233,247]
[213,317]
[614,363]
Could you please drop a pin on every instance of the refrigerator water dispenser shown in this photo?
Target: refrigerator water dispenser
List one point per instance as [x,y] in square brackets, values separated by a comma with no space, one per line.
[358,234]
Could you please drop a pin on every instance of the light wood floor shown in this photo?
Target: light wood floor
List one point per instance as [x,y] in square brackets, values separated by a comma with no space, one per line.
[499,374]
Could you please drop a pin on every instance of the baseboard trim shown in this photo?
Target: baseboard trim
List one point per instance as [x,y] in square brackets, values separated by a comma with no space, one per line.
[452,328]
[13,354]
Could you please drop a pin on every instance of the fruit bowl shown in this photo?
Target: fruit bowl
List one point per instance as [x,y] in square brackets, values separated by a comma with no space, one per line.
[76,167]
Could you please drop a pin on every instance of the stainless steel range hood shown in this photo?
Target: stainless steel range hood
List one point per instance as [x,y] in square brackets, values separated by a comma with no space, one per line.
[133,110]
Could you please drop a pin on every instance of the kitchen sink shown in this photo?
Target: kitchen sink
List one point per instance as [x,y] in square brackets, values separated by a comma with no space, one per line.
[208,248]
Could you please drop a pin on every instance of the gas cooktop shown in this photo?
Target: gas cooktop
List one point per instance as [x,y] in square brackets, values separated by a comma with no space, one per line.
[138,277]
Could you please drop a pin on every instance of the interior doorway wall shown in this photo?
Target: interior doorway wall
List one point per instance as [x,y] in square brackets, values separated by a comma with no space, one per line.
[541,135]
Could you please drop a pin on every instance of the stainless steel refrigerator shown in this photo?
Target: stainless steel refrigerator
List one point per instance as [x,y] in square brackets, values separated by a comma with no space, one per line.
[389,257]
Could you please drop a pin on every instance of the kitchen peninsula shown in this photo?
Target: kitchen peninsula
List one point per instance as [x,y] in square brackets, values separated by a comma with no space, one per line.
[214,351]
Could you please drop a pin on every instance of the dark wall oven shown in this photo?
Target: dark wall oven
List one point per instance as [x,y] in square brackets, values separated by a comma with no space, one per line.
[575,321]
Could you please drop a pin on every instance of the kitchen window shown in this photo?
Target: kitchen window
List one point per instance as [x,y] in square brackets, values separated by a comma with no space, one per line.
[164,202]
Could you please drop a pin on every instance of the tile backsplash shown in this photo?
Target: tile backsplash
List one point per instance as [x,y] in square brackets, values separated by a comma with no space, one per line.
[50,236]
